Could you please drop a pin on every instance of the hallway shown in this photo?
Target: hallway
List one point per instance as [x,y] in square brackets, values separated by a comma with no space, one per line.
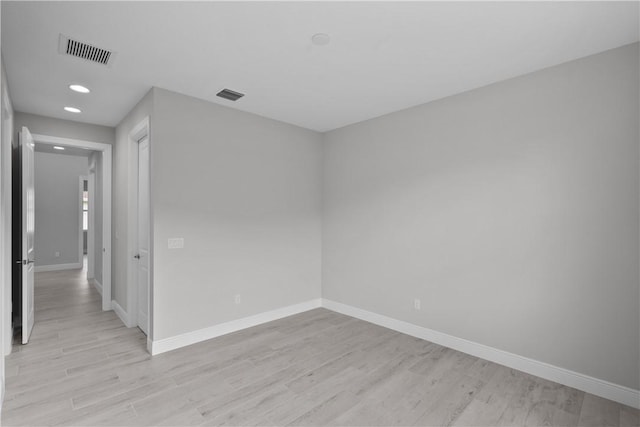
[73,351]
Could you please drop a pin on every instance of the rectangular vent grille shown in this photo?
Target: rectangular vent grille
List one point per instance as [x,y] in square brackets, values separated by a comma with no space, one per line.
[85,51]
[230,94]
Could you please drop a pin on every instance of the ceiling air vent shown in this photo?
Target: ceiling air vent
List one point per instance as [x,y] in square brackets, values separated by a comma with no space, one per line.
[69,46]
[230,94]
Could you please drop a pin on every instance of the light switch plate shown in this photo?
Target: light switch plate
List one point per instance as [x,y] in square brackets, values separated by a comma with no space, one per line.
[176,243]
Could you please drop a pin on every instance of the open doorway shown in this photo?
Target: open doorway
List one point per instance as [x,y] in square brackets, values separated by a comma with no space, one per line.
[98,180]
[72,219]
[84,230]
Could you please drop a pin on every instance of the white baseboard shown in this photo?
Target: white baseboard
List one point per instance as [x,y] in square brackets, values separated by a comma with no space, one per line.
[58,267]
[96,285]
[122,314]
[598,387]
[172,343]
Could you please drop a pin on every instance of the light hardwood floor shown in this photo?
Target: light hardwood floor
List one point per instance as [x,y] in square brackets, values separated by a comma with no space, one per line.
[83,367]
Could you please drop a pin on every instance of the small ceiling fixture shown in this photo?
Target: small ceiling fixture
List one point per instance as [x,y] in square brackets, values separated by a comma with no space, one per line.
[229,94]
[79,88]
[320,39]
[72,109]
[57,147]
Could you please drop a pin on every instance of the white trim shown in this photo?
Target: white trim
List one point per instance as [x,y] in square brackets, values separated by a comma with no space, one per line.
[96,285]
[6,255]
[80,143]
[58,267]
[106,227]
[91,245]
[107,167]
[6,264]
[598,387]
[82,178]
[122,314]
[172,343]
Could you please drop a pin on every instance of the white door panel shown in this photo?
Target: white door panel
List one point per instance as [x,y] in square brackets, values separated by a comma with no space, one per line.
[143,263]
[28,232]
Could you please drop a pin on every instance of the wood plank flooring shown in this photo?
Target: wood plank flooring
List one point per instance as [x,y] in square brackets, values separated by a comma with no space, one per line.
[83,367]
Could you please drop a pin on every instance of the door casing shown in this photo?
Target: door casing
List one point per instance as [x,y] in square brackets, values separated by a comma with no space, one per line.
[6,244]
[107,157]
[139,131]
[91,234]
[82,179]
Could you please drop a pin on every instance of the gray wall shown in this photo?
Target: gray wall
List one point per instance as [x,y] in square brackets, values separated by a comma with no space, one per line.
[244,192]
[64,128]
[511,211]
[57,204]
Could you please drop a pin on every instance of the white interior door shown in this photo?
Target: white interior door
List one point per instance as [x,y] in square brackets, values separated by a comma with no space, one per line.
[143,235]
[28,231]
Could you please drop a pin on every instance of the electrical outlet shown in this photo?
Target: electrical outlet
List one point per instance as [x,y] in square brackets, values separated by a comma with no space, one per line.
[176,243]
[238,299]
[57,254]
[416,304]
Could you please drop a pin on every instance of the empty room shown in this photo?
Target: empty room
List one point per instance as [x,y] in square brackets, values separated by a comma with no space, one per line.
[320,213]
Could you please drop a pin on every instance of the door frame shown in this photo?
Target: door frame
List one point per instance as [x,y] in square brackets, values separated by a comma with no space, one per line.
[106,151]
[139,131]
[92,224]
[82,179]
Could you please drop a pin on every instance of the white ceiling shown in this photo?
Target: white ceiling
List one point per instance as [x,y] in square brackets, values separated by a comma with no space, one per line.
[383,56]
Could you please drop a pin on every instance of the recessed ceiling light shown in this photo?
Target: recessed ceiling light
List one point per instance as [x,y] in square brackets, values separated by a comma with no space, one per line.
[72,109]
[79,88]
[320,39]
[58,147]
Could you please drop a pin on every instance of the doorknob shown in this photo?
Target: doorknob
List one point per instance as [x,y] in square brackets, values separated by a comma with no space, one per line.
[137,256]
[25,262]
